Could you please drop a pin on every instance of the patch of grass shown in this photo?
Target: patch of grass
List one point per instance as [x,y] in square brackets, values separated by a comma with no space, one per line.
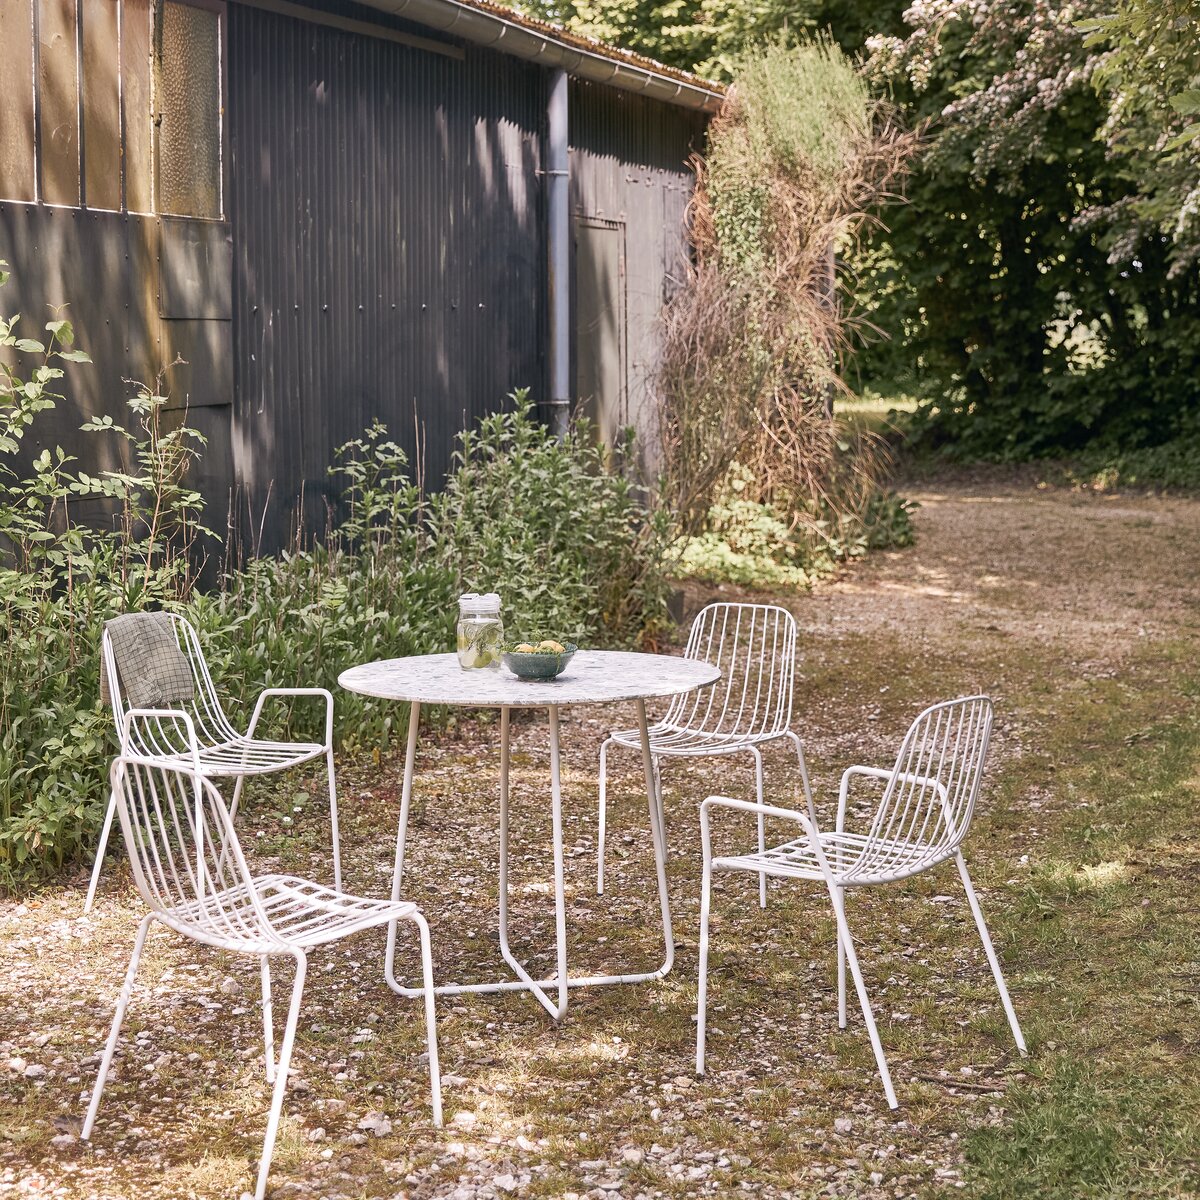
[1113,1108]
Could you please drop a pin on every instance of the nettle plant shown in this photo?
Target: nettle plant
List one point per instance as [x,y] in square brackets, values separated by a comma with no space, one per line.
[61,579]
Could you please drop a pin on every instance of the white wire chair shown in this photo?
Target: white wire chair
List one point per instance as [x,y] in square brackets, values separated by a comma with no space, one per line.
[755,647]
[922,818]
[190,870]
[223,752]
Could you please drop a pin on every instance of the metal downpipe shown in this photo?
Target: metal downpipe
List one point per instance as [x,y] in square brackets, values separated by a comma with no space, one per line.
[558,252]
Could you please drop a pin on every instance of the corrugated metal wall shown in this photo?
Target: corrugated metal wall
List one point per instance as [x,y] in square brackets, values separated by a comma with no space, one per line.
[386,208]
[629,170]
[385,220]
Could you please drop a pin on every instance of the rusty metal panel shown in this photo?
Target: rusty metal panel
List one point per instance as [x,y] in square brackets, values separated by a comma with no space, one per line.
[102,266]
[195,269]
[188,103]
[58,90]
[102,104]
[386,208]
[136,112]
[17,180]
[203,374]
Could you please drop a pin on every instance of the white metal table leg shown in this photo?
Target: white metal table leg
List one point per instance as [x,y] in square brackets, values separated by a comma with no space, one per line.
[560,903]
[561,981]
[414,719]
[659,837]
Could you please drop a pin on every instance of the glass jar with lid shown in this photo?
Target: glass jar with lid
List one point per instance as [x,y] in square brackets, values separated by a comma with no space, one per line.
[480,631]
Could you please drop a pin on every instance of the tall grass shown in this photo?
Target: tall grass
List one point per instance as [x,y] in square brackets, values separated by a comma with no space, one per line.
[753,343]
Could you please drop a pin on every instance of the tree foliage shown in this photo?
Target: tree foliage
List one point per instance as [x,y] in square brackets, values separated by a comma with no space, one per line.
[1036,305]
[711,36]
[1039,285]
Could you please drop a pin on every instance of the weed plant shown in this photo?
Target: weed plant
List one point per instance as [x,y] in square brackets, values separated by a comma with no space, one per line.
[542,522]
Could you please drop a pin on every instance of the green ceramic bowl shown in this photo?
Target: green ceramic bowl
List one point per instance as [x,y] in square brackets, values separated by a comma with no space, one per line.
[540,664]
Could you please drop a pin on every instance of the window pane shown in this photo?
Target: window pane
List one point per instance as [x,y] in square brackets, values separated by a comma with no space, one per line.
[16,129]
[58,87]
[135,87]
[189,107]
[101,104]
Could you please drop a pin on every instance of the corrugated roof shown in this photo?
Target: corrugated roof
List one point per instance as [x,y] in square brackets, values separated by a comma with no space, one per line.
[486,23]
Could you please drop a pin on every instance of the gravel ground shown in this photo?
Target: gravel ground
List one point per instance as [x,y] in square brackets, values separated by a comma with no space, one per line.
[1023,591]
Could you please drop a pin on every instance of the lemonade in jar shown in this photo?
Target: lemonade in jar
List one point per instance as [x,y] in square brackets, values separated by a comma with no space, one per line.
[480,631]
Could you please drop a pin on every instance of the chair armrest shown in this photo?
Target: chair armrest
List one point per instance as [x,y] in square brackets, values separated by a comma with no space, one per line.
[174,714]
[887,773]
[268,693]
[767,810]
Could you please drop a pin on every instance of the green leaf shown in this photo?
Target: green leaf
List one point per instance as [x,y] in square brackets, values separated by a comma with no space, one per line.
[1187,103]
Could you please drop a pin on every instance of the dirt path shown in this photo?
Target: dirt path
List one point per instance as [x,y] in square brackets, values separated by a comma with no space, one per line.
[1076,611]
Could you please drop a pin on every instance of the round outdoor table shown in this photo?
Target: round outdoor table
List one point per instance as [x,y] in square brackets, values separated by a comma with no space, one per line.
[592,677]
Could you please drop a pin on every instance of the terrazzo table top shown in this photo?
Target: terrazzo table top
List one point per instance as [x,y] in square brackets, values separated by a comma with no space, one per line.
[591,677]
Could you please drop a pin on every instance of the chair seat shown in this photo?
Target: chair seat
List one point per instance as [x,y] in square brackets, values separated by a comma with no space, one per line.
[667,740]
[847,858]
[245,756]
[300,912]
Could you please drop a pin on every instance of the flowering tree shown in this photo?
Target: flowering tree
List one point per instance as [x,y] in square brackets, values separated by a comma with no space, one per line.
[1040,294]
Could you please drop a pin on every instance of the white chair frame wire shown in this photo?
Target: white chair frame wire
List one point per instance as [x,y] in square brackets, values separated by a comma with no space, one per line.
[190,870]
[755,646]
[222,751]
[922,818]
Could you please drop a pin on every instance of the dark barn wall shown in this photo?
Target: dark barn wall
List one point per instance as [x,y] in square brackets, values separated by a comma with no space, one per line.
[381,257]
[125,282]
[631,184]
[386,209]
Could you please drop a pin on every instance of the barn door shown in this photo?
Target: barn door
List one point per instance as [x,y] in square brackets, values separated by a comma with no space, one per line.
[601,392]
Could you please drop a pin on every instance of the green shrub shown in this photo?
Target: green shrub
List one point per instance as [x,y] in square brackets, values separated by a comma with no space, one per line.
[749,543]
[543,522]
[558,535]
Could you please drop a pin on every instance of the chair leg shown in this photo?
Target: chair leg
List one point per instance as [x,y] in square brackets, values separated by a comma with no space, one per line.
[268,1022]
[762,826]
[333,824]
[281,1077]
[105,830]
[115,1032]
[988,949]
[603,818]
[435,1071]
[835,894]
[702,986]
[804,782]
[841,972]
[237,795]
[658,799]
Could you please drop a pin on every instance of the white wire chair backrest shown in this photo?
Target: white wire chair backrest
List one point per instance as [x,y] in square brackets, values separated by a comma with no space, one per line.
[930,796]
[168,735]
[184,852]
[755,647]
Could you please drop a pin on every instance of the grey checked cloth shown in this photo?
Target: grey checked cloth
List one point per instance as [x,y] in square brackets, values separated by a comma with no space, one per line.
[154,672]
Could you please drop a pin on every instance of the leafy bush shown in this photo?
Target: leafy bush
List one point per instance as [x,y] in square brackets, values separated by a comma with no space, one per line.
[548,526]
[749,543]
[1039,283]
[540,521]
[1174,464]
